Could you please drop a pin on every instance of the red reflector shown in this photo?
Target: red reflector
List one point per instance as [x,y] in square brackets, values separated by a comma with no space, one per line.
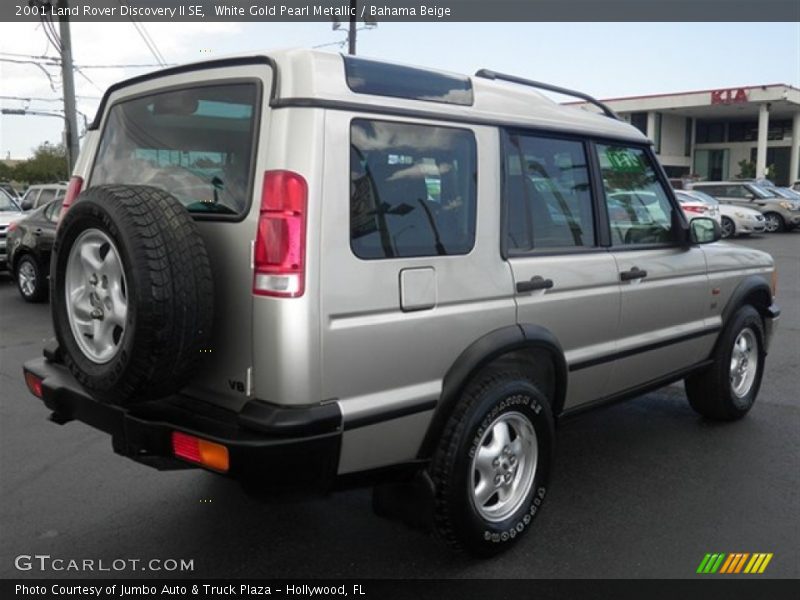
[280,247]
[34,384]
[73,189]
[202,452]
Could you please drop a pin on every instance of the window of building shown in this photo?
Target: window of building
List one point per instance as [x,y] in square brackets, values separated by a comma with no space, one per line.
[547,194]
[412,189]
[639,209]
[657,133]
[639,120]
[710,132]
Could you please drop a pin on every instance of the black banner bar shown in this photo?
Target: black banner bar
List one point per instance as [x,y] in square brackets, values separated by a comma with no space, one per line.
[705,587]
[405,10]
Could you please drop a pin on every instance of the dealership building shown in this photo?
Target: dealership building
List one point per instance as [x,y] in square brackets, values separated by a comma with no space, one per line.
[708,133]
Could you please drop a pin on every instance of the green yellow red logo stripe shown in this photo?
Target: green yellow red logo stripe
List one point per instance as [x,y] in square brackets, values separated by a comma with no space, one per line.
[733,563]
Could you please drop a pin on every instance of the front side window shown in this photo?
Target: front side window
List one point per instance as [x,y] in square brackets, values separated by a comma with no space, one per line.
[412,189]
[547,194]
[639,209]
[195,143]
[46,196]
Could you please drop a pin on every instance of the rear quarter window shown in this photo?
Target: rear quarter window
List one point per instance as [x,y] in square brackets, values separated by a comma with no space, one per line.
[195,143]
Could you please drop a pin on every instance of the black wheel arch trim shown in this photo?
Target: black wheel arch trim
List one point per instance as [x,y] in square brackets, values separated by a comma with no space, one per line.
[482,352]
[751,285]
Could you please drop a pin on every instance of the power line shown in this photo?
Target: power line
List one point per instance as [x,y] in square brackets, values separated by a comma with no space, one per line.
[36,64]
[149,42]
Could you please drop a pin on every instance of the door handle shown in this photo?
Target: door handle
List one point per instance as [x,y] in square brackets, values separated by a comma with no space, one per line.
[634,273]
[535,283]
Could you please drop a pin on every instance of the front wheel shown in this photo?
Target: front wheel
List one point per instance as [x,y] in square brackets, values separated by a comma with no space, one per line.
[728,228]
[728,389]
[773,222]
[491,468]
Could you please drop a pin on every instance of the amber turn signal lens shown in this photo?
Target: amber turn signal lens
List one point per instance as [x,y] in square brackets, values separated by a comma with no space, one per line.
[202,452]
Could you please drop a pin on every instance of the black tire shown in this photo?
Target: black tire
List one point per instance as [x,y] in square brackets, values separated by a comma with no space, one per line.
[38,293]
[774,222]
[169,292]
[711,393]
[456,518]
[728,228]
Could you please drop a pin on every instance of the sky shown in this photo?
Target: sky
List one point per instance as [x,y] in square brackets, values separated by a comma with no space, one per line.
[602,59]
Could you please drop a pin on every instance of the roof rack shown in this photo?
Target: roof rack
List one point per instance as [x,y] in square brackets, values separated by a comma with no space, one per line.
[489,74]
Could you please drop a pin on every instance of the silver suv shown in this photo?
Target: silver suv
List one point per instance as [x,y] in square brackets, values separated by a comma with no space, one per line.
[307,270]
[779,213]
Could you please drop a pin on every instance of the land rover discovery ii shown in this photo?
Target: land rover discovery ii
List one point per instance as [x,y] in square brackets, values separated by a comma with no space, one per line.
[305,270]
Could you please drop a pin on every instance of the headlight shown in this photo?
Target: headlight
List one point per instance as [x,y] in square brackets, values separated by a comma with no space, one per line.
[786,205]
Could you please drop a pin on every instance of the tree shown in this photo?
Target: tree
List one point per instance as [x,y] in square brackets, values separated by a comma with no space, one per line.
[48,164]
[747,170]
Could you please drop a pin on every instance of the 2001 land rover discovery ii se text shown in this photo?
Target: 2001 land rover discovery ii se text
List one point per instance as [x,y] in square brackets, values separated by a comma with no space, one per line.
[306,270]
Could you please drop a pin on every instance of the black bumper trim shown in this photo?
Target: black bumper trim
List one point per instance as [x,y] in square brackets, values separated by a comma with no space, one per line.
[267,445]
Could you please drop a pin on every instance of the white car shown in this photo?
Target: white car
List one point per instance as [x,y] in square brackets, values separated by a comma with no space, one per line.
[9,212]
[734,220]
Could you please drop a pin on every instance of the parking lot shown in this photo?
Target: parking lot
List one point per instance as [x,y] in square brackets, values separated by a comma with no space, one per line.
[640,489]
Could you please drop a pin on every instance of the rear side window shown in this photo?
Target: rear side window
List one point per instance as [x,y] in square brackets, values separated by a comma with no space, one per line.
[412,189]
[46,196]
[547,194]
[196,144]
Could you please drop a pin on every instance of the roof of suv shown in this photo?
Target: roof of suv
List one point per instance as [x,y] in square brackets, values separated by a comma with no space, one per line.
[311,77]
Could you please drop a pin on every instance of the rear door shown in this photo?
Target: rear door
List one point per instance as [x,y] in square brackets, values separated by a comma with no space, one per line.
[410,272]
[195,134]
[565,279]
[664,285]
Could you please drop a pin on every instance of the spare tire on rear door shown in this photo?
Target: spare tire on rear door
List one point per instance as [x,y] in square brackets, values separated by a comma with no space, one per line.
[131,291]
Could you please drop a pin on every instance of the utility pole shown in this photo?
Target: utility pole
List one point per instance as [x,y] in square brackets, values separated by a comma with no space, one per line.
[67,75]
[351,37]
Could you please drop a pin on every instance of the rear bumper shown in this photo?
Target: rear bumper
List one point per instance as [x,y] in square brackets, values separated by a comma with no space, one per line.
[270,448]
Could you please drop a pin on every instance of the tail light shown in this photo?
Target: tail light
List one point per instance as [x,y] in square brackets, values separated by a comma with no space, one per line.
[34,383]
[280,248]
[694,208]
[73,189]
[202,452]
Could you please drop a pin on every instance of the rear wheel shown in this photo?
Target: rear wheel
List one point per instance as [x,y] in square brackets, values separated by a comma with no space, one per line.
[728,228]
[29,278]
[727,390]
[491,468]
[131,292]
[773,222]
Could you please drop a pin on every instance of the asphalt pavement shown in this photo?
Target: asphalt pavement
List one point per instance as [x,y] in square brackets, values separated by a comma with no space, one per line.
[640,489]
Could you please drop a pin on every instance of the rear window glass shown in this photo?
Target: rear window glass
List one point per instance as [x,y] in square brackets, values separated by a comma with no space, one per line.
[412,189]
[196,144]
[398,81]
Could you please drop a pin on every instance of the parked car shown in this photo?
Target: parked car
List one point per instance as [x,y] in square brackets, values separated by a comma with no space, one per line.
[796,186]
[392,295]
[785,192]
[734,220]
[696,206]
[39,195]
[9,189]
[9,212]
[30,241]
[779,214]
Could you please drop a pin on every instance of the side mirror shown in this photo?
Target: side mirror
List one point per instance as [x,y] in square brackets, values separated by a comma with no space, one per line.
[26,205]
[704,230]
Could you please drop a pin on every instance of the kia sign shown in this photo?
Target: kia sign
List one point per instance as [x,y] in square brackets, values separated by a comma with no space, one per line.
[733,96]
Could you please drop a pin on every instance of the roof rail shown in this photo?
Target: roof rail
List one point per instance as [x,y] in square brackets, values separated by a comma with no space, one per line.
[489,74]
